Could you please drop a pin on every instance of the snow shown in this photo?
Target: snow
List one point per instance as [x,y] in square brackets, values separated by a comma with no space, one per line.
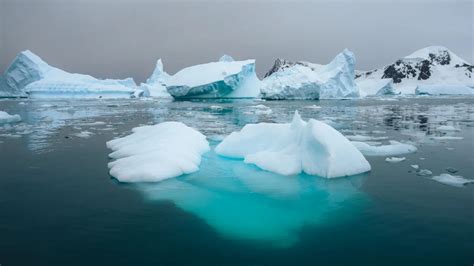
[155,85]
[443,90]
[30,75]
[158,152]
[226,79]
[452,180]
[395,159]
[445,71]
[6,118]
[332,81]
[394,148]
[312,147]
[375,87]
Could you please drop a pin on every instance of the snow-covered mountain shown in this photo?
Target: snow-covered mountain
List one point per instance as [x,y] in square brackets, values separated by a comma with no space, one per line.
[303,80]
[430,66]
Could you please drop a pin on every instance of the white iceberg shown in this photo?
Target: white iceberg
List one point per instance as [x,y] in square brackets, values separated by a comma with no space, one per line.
[312,147]
[394,148]
[452,180]
[375,87]
[30,75]
[301,81]
[223,79]
[158,152]
[6,118]
[443,90]
[155,85]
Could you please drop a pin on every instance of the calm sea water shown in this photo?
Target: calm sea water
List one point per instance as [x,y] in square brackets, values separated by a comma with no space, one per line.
[59,206]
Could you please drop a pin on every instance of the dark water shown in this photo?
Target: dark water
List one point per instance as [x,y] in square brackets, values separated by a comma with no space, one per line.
[59,206]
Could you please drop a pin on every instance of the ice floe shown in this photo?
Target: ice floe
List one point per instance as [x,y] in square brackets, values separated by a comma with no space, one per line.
[395,159]
[154,153]
[394,148]
[452,180]
[6,118]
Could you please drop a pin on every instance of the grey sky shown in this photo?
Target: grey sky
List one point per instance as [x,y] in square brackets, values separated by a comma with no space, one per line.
[118,39]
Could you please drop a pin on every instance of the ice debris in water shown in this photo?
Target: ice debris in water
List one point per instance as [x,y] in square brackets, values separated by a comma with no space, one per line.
[394,148]
[447,128]
[394,159]
[424,172]
[452,180]
[154,153]
[415,166]
[312,147]
[84,134]
[6,118]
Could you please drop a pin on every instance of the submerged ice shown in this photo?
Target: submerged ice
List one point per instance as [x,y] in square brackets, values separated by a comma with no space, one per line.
[312,147]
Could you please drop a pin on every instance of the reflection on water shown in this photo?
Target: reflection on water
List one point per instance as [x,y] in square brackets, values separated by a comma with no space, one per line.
[243,202]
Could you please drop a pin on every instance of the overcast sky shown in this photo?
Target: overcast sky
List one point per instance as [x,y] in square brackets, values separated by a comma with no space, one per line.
[118,39]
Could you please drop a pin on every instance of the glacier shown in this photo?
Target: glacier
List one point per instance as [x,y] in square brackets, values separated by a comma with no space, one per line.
[312,147]
[158,152]
[223,79]
[155,85]
[29,75]
[311,81]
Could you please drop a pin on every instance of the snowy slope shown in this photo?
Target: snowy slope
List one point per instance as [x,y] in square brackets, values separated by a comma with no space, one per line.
[30,75]
[434,65]
[304,80]
[225,78]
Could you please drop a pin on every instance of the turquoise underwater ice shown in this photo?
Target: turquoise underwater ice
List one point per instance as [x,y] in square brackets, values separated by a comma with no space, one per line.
[242,202]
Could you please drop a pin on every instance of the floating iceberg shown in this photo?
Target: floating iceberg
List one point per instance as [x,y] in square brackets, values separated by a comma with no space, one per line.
[155,85]
[154,153]
[452,180]
[30,75]
[394,148]
[375,87]
[312,147]
[6,118]
[302,81]
[443,90]
[223,79]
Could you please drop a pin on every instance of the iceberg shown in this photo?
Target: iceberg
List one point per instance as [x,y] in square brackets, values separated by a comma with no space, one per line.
[30,75]
[443,90]
[375,87]
[224,79]
[312,147]
[158,152]
[155,85]
[394,148]
[311,81]
[6,118]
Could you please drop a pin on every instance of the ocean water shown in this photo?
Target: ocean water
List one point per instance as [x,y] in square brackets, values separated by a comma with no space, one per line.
[59,205]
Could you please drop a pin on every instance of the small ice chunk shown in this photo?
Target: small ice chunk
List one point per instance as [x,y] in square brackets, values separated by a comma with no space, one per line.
[84,134]
[415,166]
[452,180]
[6,118]
[158,152]
[394,148]
[424,172]
[395,159]
[312,147]
[447,138]
[314,106]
